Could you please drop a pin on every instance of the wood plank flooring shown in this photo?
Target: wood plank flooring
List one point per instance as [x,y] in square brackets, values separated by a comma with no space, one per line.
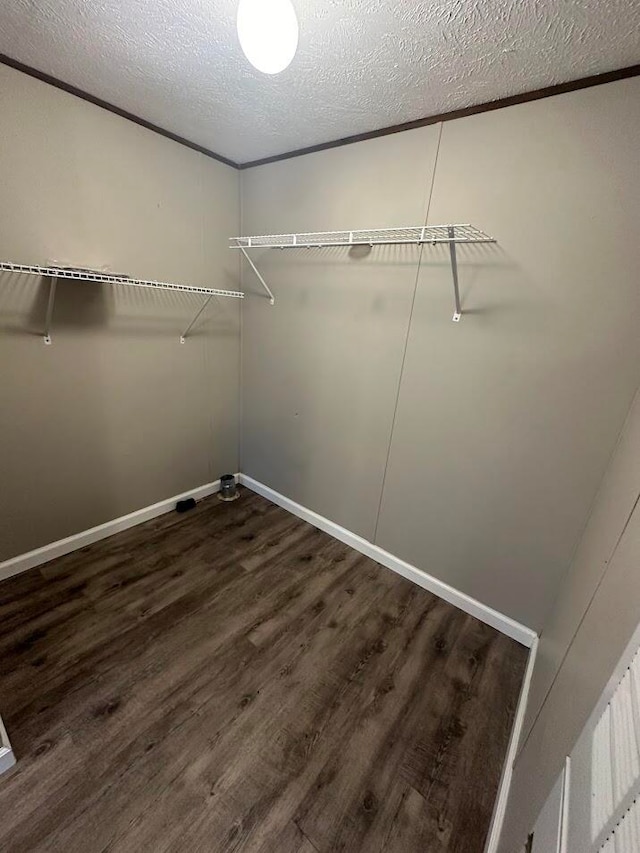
[233,679]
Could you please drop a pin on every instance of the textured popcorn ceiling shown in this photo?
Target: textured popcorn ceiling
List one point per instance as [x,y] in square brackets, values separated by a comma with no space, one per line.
[361,64]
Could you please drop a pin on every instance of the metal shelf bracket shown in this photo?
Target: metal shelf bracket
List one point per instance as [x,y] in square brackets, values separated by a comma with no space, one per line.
[52,298]
[272,298]
[183,336]
[454,271]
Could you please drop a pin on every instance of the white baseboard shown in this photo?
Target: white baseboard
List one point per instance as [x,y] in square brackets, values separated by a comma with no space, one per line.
[7,758]
[486,614]
[470,605]
[23,562]
[493,839]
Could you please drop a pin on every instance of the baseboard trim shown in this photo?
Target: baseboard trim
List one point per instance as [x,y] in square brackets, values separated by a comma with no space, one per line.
[500,808]
[7,758]
[24,562]
[470,605]
[508,626]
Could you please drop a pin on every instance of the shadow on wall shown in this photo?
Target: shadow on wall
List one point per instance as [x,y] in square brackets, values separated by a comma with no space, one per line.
[76,303]
[311,264]
[86,305]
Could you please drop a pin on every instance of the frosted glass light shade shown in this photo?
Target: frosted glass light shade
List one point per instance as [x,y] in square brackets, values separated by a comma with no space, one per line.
[268,33]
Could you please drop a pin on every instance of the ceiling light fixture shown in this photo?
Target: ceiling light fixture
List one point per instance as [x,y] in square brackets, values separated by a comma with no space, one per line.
[268,33]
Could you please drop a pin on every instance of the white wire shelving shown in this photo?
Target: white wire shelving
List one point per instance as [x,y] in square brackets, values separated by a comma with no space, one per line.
[54,273]
[370,237]
[410,235]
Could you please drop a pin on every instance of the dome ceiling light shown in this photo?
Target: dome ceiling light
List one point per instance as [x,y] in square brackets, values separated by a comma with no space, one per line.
[268,33]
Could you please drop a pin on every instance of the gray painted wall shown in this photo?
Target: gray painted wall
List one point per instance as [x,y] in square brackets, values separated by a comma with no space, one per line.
[116,414]
[485,472]
[593,619]
[321,368]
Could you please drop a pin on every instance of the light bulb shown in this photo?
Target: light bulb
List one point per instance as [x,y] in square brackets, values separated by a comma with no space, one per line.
[268,33]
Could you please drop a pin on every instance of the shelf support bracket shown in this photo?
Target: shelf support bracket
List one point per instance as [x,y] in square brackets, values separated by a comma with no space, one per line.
[52,298]
[195,320]
[272,298]
[454,272]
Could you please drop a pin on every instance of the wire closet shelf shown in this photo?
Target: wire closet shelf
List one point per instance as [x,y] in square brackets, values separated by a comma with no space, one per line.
[108,278]
[54,273]
[415,234]
[451,235]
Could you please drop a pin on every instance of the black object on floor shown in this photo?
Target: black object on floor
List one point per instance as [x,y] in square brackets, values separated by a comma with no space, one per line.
[183,506]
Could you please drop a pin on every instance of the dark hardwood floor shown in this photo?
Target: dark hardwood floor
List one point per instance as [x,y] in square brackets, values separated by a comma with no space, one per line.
[233,679]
